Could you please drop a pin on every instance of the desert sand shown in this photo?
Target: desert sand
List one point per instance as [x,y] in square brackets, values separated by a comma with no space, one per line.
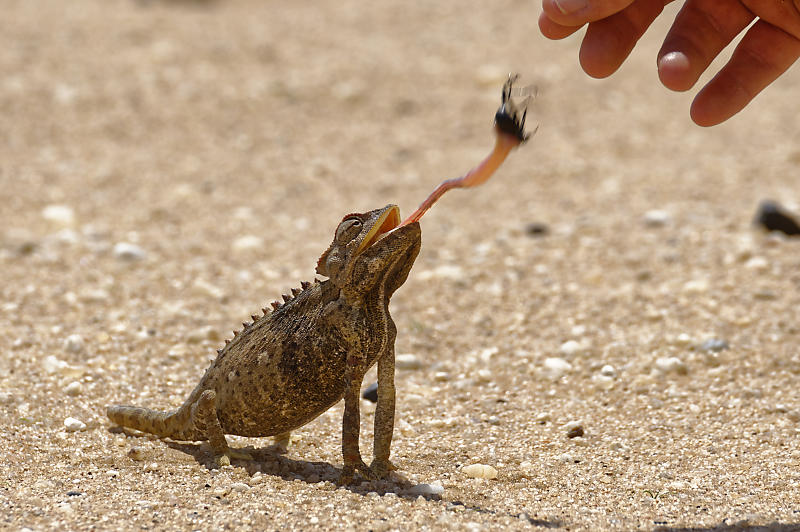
[168,168]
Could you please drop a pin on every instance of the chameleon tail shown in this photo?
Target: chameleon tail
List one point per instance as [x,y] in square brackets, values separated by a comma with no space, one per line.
[173,424]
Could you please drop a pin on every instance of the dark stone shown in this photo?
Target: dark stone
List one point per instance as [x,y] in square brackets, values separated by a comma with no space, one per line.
[371,393]
[772,217]
[536,229]
[74,493]
[575,432]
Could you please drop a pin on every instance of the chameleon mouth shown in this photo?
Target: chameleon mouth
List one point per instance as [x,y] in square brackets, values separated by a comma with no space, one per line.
[388,221]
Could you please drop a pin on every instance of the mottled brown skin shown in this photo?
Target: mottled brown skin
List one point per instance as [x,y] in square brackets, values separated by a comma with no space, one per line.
[292,364]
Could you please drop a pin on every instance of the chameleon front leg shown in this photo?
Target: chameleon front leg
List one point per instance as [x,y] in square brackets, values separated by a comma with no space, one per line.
[351,424]
[384,416]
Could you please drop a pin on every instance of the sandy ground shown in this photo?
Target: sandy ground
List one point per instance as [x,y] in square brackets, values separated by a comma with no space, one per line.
[168,168]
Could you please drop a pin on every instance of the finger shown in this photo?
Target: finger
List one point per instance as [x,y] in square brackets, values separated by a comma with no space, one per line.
[701,30]
[579,12]
[609,41]
[764,53]
[554,30]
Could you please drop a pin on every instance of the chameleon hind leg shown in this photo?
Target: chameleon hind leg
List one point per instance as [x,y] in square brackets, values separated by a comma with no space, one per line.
[282,441]
[204,415]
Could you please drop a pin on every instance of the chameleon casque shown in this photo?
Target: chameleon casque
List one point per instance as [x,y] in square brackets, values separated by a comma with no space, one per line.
[292,364]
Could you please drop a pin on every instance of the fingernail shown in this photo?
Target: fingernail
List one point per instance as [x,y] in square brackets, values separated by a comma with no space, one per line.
[570,6]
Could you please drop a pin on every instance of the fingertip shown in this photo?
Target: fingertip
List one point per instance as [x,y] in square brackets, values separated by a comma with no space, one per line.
[553,30]
[714,105]
[595,61]
[702,115]
[675,71]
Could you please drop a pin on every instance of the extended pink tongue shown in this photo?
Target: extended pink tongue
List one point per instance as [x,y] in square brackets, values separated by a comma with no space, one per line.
[478,175]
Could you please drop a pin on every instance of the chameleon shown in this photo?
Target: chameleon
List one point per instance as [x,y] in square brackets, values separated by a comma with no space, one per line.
[293,363]
[298,359]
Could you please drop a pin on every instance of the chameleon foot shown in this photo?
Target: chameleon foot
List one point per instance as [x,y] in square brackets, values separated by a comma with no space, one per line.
[348,472]
[380,469]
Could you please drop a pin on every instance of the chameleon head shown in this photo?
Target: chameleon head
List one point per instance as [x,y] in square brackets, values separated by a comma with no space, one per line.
[370,247]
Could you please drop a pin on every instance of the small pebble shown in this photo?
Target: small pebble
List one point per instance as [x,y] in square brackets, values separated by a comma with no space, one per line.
[543,418]
[480,471]
[73,388]
[6,398]
[570,348]
[574,429]
[434,488]
[683,339]
[61,215]
[247,243]
[136,453]
[608,371]
[656,218]
[555,368]
[696,286]
[125,251]
[73,343]
[407,361]
[757,263]
[713,345]
[671,365]
[536,229]
[567,458]
[74,425]
[371,393]
[441,376]
[239,487]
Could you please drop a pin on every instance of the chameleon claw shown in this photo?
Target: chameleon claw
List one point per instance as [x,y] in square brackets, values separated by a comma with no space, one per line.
[381,469]
[225,459]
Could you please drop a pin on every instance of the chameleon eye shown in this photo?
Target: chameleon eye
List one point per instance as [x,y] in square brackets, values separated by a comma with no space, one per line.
[348,230]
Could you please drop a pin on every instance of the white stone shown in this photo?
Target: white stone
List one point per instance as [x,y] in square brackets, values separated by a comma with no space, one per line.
[608,371]
[74,425]
[407,361]
[656,218]
[445,271]
[247,243]
[61,215]
[51,365]
[73,343]
[480,471]
[570,348]
[73,388]
[696,286]
[757,263]
[434,488]
[555,368]
[239,487]
[671,365]
[125,251]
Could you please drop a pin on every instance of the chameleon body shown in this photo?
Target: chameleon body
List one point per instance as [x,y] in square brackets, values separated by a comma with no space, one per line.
[311,351]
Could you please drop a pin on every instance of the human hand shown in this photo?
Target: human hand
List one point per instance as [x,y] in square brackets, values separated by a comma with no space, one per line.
[700,31]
